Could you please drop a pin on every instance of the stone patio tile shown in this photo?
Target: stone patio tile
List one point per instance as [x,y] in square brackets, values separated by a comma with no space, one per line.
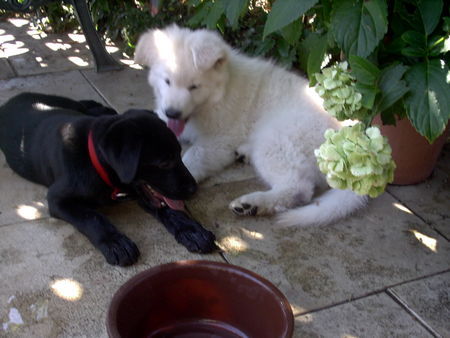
[377,316]
[41,53]
[35,255]
[5,69]
[429,298]
[21,200]
[71,84]
[430,200]
[124,89]
[320,266]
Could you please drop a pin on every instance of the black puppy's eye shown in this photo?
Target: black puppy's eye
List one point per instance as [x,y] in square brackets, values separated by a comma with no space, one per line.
[193,87]
[165,165]
[167,81]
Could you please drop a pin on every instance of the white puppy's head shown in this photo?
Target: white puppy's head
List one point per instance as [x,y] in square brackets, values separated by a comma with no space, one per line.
[188,69]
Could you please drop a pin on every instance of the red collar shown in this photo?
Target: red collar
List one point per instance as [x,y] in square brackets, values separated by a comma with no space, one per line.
[99,168]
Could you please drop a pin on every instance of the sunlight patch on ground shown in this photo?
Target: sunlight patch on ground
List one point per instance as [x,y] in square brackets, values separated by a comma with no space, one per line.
[131,64]
[41,62]
[77,37]
[67,289]
[429,242]
[6,38]
[402,208]
[28,212]
[19,22]
[55,46]
[233,244]
[253,234]
[78,61]
[308,318]
[13,49]
[112,49]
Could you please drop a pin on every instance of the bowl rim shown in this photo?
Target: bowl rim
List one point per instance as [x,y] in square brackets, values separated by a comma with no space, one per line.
[111,322]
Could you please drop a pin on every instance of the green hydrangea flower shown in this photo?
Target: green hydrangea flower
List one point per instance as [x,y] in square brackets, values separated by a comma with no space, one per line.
[356,159]
[336,87]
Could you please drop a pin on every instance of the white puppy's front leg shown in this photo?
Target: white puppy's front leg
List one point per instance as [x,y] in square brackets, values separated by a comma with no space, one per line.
[205,158]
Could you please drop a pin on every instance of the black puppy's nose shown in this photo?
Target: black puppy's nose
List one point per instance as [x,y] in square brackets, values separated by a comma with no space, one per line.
[172,113]
[191,189]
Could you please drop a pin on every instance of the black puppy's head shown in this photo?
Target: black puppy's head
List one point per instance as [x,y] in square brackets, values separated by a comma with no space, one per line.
[145,154]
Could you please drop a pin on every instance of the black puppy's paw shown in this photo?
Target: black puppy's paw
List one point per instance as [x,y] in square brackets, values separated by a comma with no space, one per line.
[118,249]
[197,239]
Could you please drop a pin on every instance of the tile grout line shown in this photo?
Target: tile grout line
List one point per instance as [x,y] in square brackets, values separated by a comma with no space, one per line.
[104,98]
[392,294]
[13,69]
[372,293]
[51,72]
[25,221]
[418,216]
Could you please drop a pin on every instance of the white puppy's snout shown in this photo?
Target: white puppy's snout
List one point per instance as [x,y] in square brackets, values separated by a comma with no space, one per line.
[173,113]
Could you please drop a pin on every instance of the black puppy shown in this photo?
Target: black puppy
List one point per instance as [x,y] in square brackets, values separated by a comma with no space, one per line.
[86,154]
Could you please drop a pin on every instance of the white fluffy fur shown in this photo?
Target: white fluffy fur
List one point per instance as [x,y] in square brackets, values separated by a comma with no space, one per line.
[249,106]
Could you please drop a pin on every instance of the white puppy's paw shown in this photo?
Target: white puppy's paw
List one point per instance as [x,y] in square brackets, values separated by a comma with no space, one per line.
[243,209]
[256,203]
[242,154]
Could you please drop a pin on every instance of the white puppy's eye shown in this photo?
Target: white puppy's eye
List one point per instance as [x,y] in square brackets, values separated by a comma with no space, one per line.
[193,87]
[167,81]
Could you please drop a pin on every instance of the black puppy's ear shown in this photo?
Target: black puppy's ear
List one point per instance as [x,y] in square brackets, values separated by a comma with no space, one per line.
[121,148]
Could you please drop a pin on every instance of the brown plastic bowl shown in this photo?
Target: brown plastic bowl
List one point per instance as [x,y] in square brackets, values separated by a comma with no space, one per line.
[199,299]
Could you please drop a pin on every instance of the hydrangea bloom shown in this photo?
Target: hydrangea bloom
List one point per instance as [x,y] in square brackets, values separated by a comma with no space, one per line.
[337,88]
[356,159]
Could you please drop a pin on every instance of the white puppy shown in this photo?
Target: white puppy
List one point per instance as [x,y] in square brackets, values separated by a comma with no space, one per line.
[228,104]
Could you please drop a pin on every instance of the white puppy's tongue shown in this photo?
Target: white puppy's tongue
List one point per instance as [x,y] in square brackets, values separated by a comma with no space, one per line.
[176,125]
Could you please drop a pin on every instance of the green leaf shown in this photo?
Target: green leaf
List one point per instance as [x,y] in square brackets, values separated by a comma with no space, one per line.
[413,52]
[359,25]
[284,12]
[369,93]
[316,56]
[233,10]
[215,13]
[430,12]
[201,14]
[291,33]
[392,87]
[428,102]
[414,39]
[363,70]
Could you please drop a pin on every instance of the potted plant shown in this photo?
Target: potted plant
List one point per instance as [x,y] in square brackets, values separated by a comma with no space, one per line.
[403,81]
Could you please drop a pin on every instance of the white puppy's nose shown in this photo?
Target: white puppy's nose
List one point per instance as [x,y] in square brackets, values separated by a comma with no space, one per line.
[172,113]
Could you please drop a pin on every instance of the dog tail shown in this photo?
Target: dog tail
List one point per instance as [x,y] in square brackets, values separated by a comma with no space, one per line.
[331,206]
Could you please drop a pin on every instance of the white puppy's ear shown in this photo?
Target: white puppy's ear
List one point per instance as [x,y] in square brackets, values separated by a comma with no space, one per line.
[145,52]
[208,51]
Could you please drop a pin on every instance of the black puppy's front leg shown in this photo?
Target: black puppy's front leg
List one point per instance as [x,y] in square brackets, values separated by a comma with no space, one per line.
[186,230]
[117,248]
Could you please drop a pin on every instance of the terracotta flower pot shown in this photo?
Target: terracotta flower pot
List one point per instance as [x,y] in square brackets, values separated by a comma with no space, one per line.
[414,156]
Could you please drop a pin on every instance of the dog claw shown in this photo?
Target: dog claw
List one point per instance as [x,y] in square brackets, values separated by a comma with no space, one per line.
[244,209]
